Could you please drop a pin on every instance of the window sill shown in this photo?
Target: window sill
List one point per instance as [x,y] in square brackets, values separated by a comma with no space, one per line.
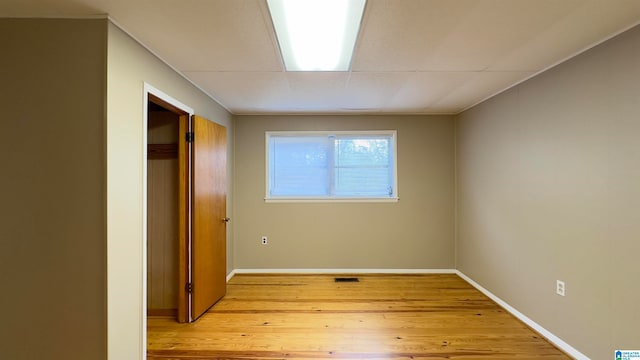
[331,200]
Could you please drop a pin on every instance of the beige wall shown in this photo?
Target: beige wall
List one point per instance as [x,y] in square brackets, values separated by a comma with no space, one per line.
[52,207]
[129,67]
[415,233]
[548,188]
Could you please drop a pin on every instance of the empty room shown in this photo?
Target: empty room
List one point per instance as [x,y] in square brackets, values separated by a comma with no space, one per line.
[426,179]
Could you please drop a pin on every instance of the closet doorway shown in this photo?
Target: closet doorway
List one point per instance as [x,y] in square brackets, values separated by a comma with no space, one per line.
[186,212]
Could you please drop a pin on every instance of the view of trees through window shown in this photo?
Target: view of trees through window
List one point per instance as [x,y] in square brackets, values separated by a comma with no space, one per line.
[331,165]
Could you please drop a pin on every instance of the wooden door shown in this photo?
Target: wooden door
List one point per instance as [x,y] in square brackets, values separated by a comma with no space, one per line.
[209,199]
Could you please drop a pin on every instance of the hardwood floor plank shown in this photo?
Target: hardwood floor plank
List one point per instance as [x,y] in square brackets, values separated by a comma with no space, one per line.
[379,317]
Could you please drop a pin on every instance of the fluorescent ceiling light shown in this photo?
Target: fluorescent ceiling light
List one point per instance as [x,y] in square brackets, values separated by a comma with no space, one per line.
[316,35]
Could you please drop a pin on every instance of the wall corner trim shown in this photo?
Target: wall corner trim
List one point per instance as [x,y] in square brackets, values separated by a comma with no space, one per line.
[570,350]
[230,275]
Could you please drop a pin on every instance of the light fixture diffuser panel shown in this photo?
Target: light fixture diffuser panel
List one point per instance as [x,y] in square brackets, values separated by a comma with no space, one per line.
[317,35]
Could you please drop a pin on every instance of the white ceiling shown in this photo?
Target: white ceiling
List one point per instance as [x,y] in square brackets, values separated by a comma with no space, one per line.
[412,56]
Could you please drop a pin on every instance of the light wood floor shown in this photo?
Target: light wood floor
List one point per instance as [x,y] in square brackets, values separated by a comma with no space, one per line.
[380,317]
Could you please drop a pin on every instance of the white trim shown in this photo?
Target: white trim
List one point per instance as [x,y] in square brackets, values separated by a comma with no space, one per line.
[570,350]
[145,220]
[231,275]
[344,271]
[331,200]
[296,133]
[149,89]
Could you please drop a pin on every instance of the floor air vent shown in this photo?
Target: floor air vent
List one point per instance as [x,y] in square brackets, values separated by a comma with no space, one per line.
[347,279]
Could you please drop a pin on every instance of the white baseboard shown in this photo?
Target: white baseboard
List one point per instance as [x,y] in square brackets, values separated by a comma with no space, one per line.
[570,350]
[341,271]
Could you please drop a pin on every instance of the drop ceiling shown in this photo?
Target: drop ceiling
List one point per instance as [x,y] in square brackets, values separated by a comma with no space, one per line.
[412,56]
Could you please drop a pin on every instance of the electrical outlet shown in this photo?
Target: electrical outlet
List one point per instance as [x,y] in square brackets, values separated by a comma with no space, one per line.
[560,288]
[264,240]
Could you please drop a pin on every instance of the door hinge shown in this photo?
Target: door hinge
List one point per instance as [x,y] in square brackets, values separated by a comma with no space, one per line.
[188,287]
[189,136]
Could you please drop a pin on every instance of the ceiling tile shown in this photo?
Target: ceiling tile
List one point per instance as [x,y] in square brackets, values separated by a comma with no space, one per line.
[317,91]
[371,91]
[422,90]
[211,35]
[570,34]
[397,35]
[245,92]
[479,87]
[490,30]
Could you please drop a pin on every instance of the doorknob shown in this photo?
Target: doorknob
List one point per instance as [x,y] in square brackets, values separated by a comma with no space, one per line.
[226,219]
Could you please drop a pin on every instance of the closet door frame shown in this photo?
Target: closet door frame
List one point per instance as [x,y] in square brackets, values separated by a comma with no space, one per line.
[183,212]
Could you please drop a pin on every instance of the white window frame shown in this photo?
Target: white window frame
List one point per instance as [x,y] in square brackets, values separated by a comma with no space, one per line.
[392,198]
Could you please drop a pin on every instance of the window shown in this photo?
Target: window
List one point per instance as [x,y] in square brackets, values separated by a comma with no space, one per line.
[331,165]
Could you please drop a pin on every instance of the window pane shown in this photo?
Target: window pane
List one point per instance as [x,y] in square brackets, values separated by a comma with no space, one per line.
[299,166]
[362,182]
[362,152]
[362,166]
[343,165]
